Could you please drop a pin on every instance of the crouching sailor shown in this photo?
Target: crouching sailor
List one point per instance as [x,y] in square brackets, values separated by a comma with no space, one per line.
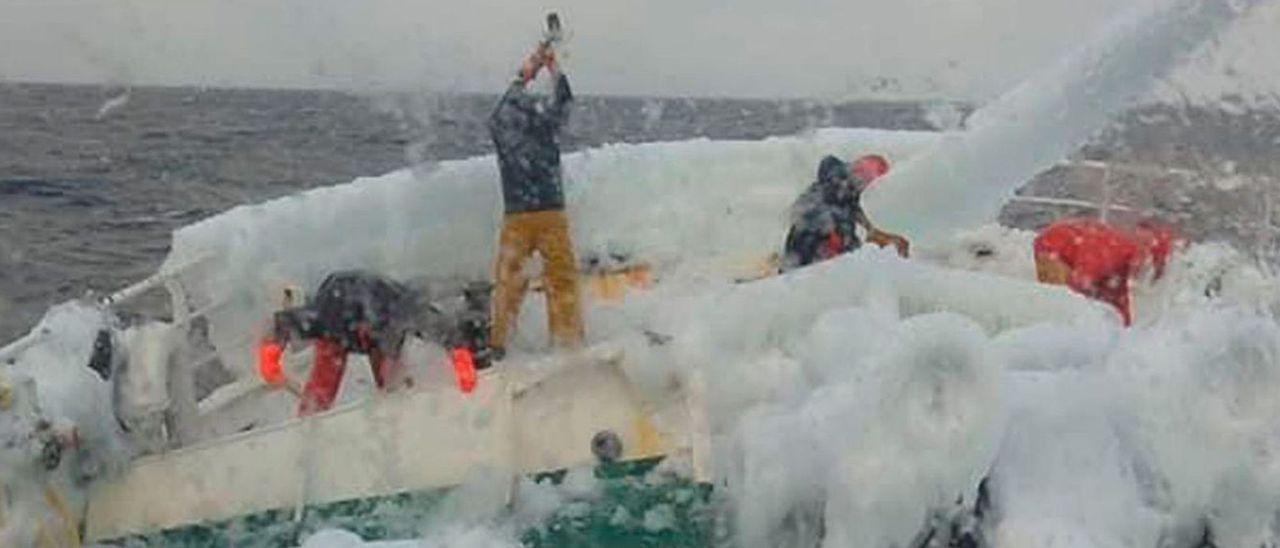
[825,217]
[352,311]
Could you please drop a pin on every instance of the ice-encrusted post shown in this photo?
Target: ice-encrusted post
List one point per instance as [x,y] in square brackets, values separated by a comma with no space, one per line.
[968,177]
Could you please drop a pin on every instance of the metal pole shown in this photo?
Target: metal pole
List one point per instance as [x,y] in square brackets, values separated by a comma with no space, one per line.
[14,348]
[151,282]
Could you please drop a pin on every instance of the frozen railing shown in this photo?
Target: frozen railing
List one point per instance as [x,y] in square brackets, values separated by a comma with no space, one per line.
[166,278]
[182,314]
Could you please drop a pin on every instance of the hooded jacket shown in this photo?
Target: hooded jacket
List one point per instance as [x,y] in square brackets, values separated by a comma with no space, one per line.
[526,133]
[824,218]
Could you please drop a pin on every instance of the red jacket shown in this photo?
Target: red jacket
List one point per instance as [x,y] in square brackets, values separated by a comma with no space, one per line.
[1102,258]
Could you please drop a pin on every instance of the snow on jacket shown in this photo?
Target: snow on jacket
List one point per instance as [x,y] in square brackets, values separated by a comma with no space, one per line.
[526,132]
[824,217]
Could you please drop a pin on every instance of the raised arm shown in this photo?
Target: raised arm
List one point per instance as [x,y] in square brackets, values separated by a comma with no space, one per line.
[558,113]
[528,69]
[495,121]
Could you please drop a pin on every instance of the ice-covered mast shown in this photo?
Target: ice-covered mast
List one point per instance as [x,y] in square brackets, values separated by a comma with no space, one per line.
[968,177]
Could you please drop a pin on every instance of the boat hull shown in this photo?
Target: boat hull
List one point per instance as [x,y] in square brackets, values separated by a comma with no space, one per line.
[397,451]
[628,485]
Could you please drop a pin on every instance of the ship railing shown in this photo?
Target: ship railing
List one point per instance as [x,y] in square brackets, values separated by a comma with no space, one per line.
[181,313]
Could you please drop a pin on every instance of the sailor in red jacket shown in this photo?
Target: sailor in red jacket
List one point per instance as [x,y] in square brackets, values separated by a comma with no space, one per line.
[1098,259]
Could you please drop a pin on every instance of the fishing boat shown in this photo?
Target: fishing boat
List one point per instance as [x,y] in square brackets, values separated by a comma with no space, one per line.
[692,217]
[379,464]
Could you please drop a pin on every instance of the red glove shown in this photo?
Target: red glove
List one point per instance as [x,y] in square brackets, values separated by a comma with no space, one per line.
[543,56]
[269,366]
[464,368]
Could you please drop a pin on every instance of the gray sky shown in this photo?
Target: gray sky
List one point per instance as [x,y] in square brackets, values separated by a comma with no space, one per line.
[811,48]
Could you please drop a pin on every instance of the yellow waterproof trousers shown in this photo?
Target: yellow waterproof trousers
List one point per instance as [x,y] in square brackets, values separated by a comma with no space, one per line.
[546,232]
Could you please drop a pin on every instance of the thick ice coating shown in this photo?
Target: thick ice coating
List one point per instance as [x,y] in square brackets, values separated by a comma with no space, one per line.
[676,205]
[851,402]
[963,182]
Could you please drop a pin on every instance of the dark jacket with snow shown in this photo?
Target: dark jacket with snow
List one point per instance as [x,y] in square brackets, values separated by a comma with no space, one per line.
[359,310]
[824,218]
[362,310]
[526,133]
